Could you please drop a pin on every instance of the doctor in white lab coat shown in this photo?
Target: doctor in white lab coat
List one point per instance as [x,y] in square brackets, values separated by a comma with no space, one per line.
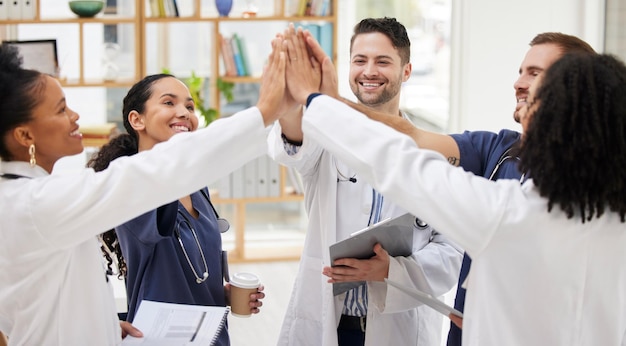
[339,202]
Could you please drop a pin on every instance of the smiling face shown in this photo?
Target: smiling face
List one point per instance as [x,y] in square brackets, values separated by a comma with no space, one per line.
[377,72]
[168,111]
[526,112]
[53,129]
[538,59]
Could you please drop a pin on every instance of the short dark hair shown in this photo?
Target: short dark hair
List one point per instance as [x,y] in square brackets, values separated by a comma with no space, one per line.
[390,27]
[567,43]
[575,142]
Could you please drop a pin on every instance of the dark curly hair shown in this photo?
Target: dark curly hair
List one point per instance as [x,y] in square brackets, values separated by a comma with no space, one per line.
[390,27]
[123,145]
[20,93]
[575,144]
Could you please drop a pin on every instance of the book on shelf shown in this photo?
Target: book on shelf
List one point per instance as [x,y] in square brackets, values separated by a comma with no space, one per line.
[322,32]
[239,55]
[226,51]
[163,8]
[305,8]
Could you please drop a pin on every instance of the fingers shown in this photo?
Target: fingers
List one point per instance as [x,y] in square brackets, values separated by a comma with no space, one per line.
[458,321]
[303,75]
[343,270]
[379,251]
[330,84]
[272,84]
[255,300]
[129,329]
[314,47]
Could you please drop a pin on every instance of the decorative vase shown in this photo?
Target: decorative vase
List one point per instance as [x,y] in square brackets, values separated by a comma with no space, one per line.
[224,7]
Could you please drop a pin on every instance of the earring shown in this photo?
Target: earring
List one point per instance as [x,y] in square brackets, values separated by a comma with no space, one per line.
[31,152]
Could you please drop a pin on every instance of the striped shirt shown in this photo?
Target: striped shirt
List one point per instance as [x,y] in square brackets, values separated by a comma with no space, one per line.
[355,303]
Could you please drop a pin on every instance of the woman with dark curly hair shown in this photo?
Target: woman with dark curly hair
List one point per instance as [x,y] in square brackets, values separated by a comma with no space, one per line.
[549,262]
[574,148]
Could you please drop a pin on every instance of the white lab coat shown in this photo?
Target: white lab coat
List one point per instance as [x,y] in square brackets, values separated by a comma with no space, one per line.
[52,279]
[537,278]
[313,312]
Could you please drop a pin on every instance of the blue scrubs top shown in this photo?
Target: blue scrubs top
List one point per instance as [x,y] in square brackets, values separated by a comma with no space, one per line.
[481,152]
[158,269]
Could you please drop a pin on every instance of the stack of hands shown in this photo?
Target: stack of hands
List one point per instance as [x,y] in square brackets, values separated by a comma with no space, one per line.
[296,68]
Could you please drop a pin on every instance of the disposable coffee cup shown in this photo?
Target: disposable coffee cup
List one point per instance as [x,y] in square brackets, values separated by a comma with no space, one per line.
[241,286]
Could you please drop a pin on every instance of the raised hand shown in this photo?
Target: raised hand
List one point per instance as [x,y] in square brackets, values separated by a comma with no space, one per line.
[330,83]
[288,108]
[272,85]
[303,74]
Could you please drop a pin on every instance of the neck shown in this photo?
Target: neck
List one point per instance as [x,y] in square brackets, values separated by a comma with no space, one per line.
[391,107]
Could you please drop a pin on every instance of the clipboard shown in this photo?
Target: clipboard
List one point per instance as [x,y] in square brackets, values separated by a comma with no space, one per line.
[426,298]
[395,235]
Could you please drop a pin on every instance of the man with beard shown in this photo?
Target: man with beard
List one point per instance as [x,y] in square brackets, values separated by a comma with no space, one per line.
[339,203]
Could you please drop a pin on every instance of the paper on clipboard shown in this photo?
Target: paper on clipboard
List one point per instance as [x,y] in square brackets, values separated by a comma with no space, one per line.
[395,235]
[427,299]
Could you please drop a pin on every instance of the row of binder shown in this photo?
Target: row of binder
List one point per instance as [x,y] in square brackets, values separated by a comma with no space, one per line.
[17,9]
[257,179]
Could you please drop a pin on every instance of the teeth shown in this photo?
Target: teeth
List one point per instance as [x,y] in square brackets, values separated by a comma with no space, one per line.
[75,133]
[371,84]
[180,128]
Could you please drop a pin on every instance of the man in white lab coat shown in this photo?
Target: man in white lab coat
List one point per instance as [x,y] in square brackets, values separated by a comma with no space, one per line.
[339,203]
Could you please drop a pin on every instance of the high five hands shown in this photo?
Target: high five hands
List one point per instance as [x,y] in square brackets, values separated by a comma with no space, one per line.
[308,68]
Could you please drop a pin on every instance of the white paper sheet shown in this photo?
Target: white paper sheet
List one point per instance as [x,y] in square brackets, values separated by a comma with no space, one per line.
[166,324]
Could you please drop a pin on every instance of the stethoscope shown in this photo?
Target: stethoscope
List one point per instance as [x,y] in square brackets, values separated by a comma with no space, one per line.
[222,224]
[505,156]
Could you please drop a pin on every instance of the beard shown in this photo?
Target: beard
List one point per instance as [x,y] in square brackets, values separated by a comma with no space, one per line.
[390,91]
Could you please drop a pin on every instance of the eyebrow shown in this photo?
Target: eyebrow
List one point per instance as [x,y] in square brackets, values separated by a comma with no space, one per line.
[175,96]
[532,68]
[376,57]
[60,103]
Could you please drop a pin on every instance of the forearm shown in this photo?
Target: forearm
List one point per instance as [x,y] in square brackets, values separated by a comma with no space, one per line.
[441,143]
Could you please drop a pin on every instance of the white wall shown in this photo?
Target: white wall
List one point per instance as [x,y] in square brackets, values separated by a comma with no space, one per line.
[490,38]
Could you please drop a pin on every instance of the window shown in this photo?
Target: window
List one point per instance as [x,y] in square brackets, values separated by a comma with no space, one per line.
[425,96]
